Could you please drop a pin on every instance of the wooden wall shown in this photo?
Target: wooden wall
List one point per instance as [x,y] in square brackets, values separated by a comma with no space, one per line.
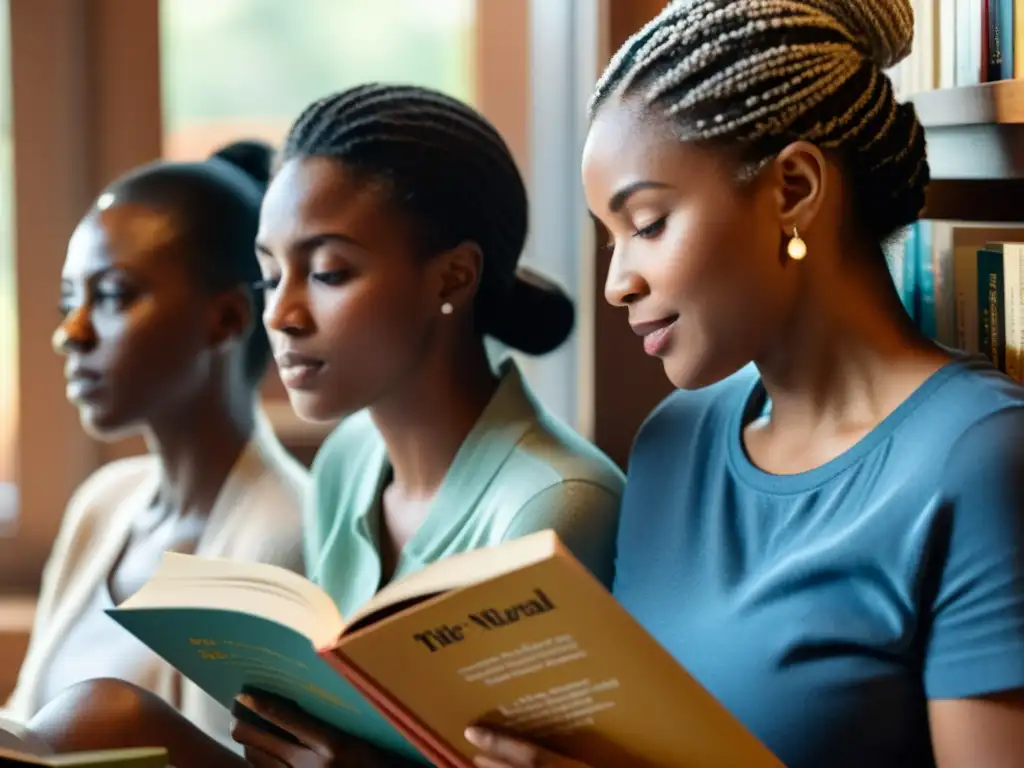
[627,383]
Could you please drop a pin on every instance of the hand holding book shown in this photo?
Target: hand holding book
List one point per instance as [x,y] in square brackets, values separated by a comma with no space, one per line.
[294,739]
[500,751]
[519,637]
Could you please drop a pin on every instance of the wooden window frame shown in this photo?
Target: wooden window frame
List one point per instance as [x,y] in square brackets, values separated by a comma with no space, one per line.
[86,107]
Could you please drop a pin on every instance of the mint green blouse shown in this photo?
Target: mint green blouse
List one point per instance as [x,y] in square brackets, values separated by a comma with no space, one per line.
[519,470]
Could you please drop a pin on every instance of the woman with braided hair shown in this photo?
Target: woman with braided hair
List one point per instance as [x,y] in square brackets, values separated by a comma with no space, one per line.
[388,242]
[825,525]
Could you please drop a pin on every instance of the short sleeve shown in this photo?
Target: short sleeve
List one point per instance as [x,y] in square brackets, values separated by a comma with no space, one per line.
[975,644]
[585,517]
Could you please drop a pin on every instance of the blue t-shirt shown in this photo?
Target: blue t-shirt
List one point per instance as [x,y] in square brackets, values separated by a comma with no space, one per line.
[825,609]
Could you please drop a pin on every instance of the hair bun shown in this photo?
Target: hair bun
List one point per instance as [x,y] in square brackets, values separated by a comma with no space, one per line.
[254,158]
[535,317]
[883,30]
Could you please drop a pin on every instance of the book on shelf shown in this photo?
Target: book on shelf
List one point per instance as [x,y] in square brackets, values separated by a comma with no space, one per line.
[155,757]
[960,43]
[963,284]
[519,636]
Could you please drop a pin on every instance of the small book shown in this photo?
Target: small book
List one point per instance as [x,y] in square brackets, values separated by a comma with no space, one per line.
[155,757]
[519,636]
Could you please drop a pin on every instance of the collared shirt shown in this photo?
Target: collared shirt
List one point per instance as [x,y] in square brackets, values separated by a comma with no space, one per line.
[518,471]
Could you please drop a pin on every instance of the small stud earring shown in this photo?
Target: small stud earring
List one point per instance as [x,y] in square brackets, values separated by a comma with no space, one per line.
[447,308]
[797,248]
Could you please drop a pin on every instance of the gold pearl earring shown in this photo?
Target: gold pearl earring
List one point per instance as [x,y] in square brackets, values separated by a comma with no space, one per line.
[797,248]
[447,308]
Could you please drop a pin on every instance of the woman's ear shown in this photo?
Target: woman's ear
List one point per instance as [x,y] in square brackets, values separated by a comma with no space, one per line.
[231,316]
[801,174]
[458,272]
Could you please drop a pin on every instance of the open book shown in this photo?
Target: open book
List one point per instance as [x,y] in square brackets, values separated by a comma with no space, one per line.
[116,758]
[520,636]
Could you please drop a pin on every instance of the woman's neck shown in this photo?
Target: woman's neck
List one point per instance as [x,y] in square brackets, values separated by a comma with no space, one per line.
[425,423]
[847,362]
[198,449]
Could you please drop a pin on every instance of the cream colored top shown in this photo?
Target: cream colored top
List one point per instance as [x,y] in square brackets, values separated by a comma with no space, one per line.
[256,517]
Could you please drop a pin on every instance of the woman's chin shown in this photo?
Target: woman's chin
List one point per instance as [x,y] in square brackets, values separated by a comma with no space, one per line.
[691,372]
[105,426]
[313,408]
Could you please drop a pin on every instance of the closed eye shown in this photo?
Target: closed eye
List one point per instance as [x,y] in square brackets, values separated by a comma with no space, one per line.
[266,284]
[331,277]
[652,230]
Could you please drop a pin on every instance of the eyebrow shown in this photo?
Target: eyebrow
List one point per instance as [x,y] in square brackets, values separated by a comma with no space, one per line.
[311,243]
[619,199]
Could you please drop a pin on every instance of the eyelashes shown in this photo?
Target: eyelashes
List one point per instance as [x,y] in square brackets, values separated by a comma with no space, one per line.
[650,232]
[116,300]
[267,284]
[330,277]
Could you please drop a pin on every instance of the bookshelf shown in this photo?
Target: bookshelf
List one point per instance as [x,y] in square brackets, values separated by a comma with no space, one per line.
[975,150]
[999,103]
[975,133]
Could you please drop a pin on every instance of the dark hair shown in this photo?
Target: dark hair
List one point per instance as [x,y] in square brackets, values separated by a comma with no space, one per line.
[448,167]
[765,73]
[216,205]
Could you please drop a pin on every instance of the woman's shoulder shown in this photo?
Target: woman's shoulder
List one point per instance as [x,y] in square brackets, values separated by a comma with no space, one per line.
[551,452]
[111,483]
[96,501]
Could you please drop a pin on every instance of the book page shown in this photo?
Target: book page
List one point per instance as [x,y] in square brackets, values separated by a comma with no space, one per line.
[546,652]
[258,589]
[455,572]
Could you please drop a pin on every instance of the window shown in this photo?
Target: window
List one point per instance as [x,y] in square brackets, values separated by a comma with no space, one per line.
[245,69]
[236,69]
[8,292]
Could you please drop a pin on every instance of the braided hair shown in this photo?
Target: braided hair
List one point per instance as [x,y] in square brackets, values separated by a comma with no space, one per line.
[447,167]
[765,73]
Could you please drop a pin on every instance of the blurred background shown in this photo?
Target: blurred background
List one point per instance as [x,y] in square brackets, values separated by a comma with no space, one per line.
[90,88]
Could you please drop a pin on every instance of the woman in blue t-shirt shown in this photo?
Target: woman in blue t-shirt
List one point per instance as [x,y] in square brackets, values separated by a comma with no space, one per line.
[826,524]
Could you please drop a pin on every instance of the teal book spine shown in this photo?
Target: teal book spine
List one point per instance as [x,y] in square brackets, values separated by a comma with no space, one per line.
[226,652]
[1000,40]
[924,260]
[991,328]
[909,282]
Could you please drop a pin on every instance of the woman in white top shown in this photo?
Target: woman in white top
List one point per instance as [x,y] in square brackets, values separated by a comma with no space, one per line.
[162,336]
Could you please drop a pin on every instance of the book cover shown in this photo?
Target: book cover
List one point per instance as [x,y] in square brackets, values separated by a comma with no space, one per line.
[967,240]
[546,652]
[944,285]
[1000,34]
[971,42]
[155,757]
[1018,38]
[520,636]
[226,652]
[991,302]
[908,284]
[926,279]
[1013,309]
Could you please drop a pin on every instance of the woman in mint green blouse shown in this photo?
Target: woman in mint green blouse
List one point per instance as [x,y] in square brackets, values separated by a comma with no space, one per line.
[389,241]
